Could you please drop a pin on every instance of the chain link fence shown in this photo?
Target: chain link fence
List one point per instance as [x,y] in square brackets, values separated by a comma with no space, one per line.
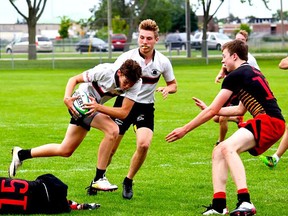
[66,51]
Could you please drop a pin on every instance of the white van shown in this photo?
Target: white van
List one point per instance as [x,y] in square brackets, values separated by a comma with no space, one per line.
[43,44]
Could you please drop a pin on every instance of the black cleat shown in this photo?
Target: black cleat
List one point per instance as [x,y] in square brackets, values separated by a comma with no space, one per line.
[127,191]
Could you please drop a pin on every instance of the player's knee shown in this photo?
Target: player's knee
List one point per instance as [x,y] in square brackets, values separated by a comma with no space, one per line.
[66,152]
[226,149]
[216,153]
[222,119]
[112,133]
[144,145]
[216,119]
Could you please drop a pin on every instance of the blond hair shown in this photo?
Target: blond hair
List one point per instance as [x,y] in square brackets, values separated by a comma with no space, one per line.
[149,25]
[244,33]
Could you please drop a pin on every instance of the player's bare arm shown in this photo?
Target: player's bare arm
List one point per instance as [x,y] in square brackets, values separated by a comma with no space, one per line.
[204,116]
[68,99]
[238,110]
[169,89]
[115,112]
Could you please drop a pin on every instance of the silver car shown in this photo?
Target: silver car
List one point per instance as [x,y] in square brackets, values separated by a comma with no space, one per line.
[214,40]
[21,44]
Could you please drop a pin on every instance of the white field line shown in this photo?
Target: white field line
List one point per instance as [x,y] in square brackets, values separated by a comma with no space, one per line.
[114,167]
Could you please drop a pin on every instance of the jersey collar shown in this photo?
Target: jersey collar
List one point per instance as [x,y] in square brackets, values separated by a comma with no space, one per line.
[153,55]
[116,78]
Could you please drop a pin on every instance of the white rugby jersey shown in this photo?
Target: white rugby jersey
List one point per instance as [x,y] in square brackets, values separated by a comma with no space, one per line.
[102,83]
[252,61]
[160,65]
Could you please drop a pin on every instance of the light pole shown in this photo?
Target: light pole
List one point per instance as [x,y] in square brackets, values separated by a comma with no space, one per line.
[188,29]
[109,17]
[282,24]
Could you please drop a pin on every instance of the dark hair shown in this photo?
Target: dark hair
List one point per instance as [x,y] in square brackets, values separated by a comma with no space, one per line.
[237,46]
[131,70]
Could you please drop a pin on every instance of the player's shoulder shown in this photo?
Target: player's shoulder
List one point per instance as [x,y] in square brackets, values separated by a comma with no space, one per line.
[130,53]
[160,57]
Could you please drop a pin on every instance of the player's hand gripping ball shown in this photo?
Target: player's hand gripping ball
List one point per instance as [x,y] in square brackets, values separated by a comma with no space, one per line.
[80,101]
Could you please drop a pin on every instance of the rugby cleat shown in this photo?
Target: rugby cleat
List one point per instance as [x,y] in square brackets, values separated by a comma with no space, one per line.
[211,211]
[244,209]
[268,161]
[127,191]
[101,185]
[16,163]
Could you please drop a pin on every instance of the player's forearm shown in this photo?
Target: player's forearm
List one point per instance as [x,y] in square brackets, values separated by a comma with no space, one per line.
[231,111]
[70,87]
[204,116]
[115,112]
[171,87]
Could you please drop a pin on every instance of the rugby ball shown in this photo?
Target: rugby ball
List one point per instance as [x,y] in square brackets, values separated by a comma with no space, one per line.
[80,101]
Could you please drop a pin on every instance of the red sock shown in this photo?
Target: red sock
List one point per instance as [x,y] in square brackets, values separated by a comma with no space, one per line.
[243,190]
[219,195]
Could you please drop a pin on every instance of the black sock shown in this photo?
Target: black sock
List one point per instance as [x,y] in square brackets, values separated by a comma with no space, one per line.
[99,174]
[24,154]
[127,181]
[243,197]
[219,204]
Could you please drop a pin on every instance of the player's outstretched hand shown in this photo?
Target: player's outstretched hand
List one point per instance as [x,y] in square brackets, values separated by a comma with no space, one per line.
[176,134]
[199,103]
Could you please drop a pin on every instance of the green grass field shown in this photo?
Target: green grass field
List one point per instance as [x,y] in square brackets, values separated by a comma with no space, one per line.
[175,178]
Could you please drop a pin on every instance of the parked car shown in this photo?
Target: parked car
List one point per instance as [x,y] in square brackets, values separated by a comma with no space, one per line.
[214,40]
[174,41]
[21,44]
[91,45]
[118,41]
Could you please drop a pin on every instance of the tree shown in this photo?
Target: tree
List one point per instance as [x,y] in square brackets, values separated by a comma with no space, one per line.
[207,18]
[277,15]
[64,27]
[35,11]
[130,11]
[169,15]
[245,27]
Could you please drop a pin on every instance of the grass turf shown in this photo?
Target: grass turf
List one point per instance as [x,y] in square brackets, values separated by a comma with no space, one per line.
[175,178]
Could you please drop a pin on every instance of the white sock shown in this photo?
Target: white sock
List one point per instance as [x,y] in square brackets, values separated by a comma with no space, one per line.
[276,157]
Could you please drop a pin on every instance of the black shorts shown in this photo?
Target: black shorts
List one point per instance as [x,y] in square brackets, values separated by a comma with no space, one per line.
[141,115]
[83,121]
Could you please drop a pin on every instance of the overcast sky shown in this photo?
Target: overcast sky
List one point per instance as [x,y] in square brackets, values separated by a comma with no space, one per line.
[76,9]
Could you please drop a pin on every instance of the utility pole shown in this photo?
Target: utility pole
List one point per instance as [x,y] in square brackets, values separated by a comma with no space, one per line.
[282,24]
[109,18]
[188,29]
